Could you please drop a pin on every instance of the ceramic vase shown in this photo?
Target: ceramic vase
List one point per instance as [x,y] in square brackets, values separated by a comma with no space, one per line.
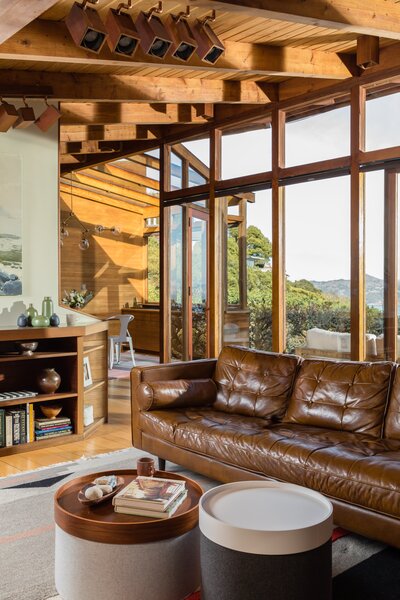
[47,307]
[31,312]
[40,321]
[54,320]
[22,321]
[48,381]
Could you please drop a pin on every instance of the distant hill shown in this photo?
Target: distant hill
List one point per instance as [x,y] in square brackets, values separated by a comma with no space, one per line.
[341,287]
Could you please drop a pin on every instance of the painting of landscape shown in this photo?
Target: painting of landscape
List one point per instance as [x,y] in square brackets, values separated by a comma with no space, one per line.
[10,226]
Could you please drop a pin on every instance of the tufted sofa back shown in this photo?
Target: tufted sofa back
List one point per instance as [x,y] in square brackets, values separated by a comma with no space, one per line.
[254,383]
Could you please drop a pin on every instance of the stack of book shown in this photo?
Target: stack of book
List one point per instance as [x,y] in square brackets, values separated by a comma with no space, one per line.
[17,425]
[50,428]
[151,497]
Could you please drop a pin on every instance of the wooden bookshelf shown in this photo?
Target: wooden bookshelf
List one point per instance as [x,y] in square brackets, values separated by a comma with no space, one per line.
[62,348]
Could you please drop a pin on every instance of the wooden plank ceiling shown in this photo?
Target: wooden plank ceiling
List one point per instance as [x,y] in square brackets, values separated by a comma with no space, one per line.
[112,105]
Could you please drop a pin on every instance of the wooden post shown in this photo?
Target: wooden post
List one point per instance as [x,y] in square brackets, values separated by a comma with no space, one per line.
[357,285]
[278,234]
[390,267]
[215,248]
[243,253]
[165,304]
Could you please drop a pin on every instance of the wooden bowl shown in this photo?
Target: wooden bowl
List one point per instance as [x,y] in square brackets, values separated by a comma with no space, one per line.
[51,411]
[82,498]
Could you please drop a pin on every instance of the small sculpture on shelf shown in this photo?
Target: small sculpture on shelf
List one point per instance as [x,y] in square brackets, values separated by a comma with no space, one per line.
[54,320]
[31,312]
[48,381]
[40,321]
[27,348]
[22,321]
[47,307]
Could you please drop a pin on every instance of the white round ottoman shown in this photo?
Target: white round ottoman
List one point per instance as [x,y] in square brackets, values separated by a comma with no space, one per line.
[263,539]
[101,554]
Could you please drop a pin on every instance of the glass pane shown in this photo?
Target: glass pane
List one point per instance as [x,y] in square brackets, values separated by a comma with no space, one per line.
[176,281]
[383,122]
[246,153]
[153,268]
[176,172]
[318,137]
[190,163]
[199,289]
[374,262]
[249,323]
[318,268]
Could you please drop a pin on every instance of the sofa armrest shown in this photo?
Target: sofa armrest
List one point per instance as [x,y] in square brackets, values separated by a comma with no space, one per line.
[197,369]
[175,393]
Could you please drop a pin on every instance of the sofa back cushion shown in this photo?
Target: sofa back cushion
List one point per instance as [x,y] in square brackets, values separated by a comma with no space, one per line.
[392,420]
[348,396]
[254,383]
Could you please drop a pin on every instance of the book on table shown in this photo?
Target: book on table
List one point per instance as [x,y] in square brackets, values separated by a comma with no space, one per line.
[155,514]
[149,493]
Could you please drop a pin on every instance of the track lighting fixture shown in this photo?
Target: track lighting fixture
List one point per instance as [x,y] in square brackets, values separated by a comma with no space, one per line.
[26,117]
[154,37]
[123,37]
[49,116]
[184,44]
[209,46]
[100,228]
[86,27]
[8,115]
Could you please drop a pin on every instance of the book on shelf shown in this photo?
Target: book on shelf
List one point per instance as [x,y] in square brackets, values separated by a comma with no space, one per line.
[9,430]
[2,427]
[155,514]
[149,493]
[43,423]
[46,436]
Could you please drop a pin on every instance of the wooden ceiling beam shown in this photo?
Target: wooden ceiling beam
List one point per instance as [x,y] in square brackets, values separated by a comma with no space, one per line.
[80,193]
[88,147]
[16,14]
[136,178]
[84,87]
[366,17]
[127,113]
[50,42]
[117,133]
[120,190]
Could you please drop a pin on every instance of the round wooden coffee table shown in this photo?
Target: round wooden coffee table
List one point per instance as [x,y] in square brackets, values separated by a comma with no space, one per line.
[104,554]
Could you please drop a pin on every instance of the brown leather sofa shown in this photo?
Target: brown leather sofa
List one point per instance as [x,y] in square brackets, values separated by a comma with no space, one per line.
[332,426]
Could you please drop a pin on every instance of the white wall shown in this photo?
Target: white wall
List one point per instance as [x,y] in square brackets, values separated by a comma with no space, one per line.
[38,153]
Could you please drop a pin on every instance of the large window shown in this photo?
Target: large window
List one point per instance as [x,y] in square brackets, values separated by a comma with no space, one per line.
[190,164]
[153,268]
[246,153]
[176,289]
[318,137]
[383,122]
[318,267]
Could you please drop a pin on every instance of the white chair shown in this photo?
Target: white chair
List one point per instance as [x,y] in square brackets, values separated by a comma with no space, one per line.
[115,341]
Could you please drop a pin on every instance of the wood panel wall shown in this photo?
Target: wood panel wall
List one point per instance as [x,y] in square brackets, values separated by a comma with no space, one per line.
[114,267]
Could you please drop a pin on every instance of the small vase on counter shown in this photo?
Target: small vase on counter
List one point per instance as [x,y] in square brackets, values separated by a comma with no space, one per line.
[47,307]
[31,312]
[48,381]
[40,321]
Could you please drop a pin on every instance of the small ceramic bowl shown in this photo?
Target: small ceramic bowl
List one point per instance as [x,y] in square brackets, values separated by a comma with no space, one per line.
[27,348]
[51,411]
[83,500]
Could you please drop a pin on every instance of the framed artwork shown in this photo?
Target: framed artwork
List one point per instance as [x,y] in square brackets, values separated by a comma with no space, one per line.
[87,373]
[10,226]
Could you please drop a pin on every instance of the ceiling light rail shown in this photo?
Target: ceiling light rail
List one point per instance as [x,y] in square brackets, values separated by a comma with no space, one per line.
[23,117]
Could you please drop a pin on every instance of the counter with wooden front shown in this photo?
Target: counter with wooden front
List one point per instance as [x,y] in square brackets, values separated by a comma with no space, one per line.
[145,328]
[64,349]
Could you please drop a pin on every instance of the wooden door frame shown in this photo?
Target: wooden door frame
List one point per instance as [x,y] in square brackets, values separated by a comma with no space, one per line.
[197,213]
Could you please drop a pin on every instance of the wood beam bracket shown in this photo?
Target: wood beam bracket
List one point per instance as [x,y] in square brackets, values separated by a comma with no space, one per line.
[367,51]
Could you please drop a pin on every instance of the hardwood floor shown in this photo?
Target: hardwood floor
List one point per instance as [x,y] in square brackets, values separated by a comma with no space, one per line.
[114,435]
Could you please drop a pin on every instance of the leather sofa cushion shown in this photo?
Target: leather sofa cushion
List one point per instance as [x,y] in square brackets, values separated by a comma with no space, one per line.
[254,383]
[392,420]
[354,468]
[176,394]
[346,396]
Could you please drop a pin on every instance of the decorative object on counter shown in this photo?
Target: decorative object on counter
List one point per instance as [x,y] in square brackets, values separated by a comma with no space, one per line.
[51,411]
[40,321]
[87,373]
[48,381]
[88,415]
[145,466]
[72,320]
[22,321]
[27,348]
[75,299]
[47,307]
[31,312]
[100,490]
[54,320]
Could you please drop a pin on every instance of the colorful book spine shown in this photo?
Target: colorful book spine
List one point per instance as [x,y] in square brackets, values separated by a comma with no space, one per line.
[16,425]
[23,421]
[2,427]
[32,423]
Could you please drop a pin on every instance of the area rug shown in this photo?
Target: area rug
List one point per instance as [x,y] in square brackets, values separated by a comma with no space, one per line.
[362,569]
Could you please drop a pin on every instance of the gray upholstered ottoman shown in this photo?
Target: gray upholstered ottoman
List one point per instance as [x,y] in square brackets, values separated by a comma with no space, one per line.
[265,540]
